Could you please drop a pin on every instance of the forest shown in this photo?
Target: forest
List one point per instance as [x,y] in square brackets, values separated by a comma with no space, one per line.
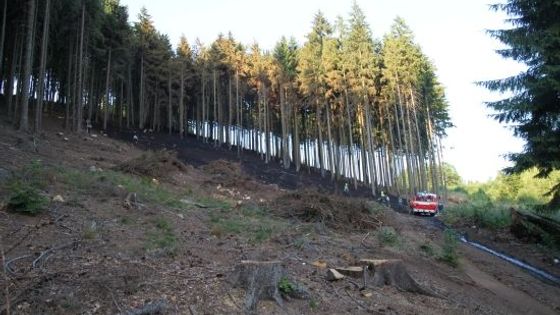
[354,107]
[144,176]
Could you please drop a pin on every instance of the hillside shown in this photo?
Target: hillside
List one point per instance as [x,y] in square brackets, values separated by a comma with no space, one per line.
[125,230]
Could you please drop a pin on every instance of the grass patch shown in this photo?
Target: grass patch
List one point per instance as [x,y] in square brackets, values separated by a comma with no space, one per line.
[107,181]
[162,237]
[126,220]
[387,236]
[313,304]
[89,232]
[251,222]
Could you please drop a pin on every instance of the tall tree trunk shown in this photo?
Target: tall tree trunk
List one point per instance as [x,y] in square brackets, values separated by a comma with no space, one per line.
[421,157]
[239,132]
[350,140]
[43,63]
[130,99]
[414,179]
[3,37]
[296,145]
[68,99]
[408,153]
[141,109]
[169,106]
[79,104]
[107,95]
[91,88]
[432,149]
[230,113]
[320,140]
[332,165]
[266,125]
[121,103]
[181,103]
[393,162]
[215,127]
[370,149]
[284,124]
[9,89]
[24,118]
[204,110]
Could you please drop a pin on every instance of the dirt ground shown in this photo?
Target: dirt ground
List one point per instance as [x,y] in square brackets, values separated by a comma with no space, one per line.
[125,238]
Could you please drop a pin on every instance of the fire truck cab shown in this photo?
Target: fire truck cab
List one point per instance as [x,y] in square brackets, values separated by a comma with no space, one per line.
[424,203]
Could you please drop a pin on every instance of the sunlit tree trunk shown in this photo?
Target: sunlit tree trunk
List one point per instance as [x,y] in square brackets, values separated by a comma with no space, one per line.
[330,143]
[169,105]
[9,89]
[320,139]
[350,140]
[181,103]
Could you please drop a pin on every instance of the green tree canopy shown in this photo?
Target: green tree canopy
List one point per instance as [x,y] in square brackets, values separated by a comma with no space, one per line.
[534,105]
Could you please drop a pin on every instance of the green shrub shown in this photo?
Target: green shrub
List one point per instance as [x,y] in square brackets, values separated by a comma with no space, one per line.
[23,189]
[387,235]
[286,286]
[25,199]
[427,249]
[479,213]
[449,253]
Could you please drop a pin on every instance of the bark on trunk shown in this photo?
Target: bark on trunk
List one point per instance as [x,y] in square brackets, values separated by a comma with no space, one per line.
[24,118]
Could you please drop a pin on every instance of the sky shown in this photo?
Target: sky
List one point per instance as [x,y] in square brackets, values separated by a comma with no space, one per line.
[452,33]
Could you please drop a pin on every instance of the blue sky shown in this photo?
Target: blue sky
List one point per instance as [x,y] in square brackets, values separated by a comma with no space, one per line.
[451,33]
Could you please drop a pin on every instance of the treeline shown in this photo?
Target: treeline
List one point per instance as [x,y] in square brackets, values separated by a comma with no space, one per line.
[525,190]
[364,109]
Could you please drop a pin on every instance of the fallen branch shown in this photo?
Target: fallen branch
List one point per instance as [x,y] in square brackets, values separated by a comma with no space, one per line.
[364,239]
[113,298]
[192,310]
[233,301]
[360,304]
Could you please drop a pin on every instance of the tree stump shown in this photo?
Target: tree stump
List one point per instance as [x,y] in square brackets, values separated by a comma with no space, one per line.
[392,272]
[260,280]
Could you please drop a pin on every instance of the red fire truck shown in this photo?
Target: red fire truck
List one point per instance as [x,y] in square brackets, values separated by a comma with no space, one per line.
[424,203]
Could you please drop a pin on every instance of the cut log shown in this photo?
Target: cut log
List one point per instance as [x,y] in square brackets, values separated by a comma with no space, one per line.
[392,272]
[260,280]
[354,272]
[333,275]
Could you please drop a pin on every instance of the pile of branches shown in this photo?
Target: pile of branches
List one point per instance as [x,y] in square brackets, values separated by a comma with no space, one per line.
[337,212]
[153,164]
[228,174]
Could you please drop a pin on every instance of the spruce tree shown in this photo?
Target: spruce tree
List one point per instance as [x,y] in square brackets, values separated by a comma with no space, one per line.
[534,107]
